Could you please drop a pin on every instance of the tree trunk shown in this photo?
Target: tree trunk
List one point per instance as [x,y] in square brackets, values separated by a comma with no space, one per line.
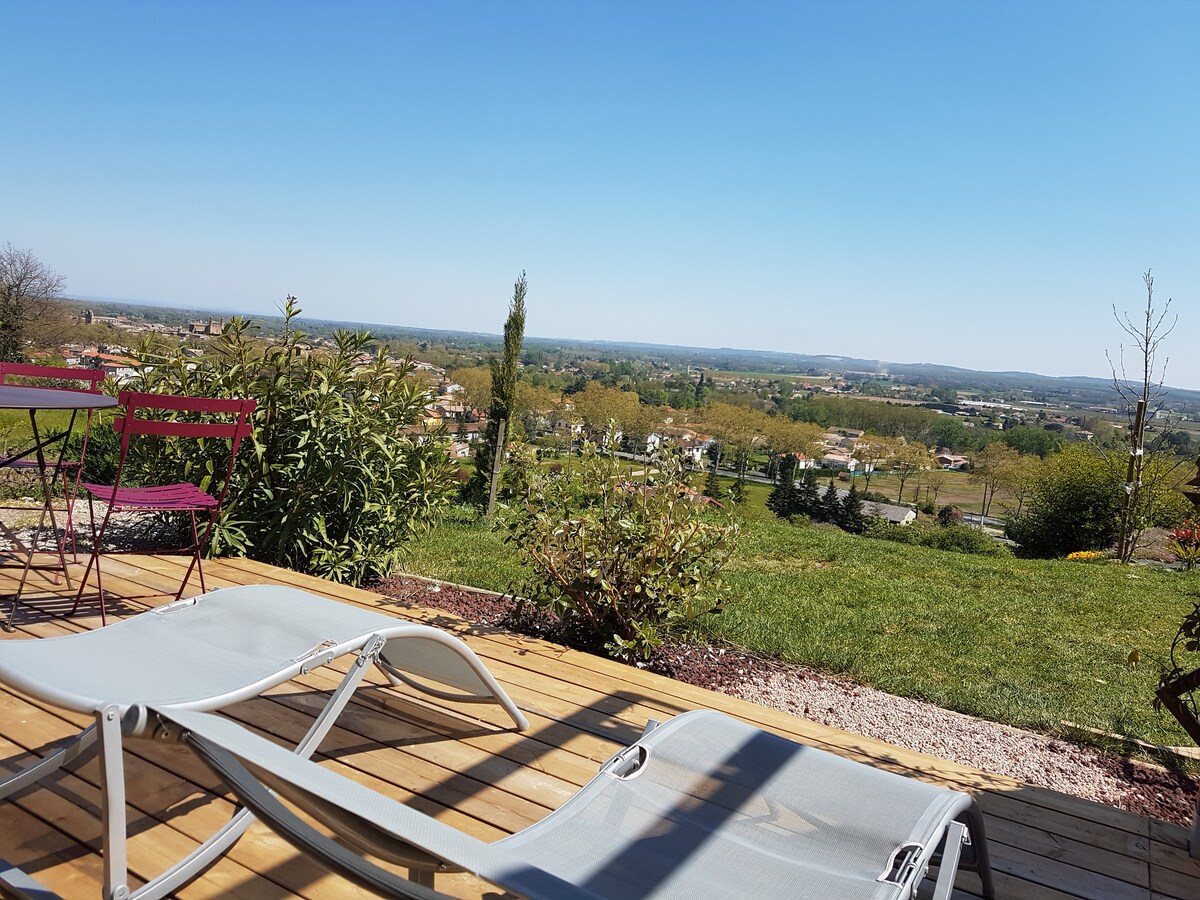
[497,461]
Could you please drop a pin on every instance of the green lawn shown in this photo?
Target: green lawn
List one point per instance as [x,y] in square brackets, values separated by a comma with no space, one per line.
[1027,642]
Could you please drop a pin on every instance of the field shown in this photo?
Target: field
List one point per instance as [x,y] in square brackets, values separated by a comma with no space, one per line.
[957,489]
[1027,642]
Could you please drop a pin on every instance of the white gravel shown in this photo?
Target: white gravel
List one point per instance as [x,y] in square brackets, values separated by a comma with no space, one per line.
[1032,758]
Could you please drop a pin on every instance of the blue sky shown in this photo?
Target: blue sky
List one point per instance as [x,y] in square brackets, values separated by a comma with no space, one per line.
[973,184]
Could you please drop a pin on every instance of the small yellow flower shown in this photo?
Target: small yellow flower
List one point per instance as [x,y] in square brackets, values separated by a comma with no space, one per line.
[1085,555]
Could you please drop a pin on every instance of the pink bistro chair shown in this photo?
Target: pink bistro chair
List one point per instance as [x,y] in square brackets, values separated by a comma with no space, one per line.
[171,498]
[66,379]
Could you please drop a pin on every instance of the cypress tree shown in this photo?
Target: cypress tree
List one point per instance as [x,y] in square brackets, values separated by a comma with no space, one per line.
[830,506]
[712,482]
[782,499]
[504,391]
[806,498]
[851,516]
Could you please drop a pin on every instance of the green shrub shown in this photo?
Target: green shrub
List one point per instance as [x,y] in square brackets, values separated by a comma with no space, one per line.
[329,482]
[962,539]
[1075,504]
[951,538]
[879,527]
[620,561]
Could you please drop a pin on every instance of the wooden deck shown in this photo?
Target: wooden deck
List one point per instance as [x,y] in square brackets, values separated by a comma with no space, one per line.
[488,780]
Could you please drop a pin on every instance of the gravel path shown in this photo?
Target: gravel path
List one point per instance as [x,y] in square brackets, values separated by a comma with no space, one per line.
[1034,758]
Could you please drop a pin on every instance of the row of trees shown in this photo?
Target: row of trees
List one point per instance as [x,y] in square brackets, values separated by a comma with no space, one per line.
[805,498]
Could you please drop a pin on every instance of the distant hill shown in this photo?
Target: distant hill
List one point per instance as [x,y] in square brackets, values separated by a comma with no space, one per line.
[1075,390]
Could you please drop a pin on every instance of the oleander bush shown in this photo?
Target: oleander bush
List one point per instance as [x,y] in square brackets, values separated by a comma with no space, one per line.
[330,482]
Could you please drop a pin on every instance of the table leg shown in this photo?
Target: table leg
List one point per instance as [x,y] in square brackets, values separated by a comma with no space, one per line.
[39,447]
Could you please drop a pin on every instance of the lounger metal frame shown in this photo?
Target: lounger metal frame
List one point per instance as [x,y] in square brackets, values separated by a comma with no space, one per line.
[433,658]
[531,863]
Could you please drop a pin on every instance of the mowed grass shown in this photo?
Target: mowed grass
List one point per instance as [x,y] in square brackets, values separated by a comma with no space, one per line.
[1032,643]
[1027,642]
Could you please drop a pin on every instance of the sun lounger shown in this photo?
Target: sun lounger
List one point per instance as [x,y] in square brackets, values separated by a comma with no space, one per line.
[207,653]
[701,806]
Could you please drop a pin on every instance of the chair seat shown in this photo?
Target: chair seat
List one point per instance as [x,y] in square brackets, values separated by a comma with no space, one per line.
[171,497]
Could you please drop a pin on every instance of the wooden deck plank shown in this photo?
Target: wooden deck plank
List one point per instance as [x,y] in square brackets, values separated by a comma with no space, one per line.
[473,772]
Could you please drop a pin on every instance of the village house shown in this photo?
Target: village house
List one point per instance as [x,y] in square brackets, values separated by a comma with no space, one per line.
[839,459]
[951,461]
[118,368]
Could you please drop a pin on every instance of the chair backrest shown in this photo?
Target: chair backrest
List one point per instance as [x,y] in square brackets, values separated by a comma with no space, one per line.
[130,423]
[91,378]
[133,401]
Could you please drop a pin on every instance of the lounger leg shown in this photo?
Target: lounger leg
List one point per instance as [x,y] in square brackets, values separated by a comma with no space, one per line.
[197,861]
[73,749]
[22,886]
[979,850]
[325,719]
[215,846]
[112,804]
[956,833]
[423,877]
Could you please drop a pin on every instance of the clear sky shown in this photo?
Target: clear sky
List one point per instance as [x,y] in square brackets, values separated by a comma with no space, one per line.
[968,183]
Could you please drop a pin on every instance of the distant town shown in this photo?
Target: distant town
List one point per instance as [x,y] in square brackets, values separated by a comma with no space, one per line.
[671,382]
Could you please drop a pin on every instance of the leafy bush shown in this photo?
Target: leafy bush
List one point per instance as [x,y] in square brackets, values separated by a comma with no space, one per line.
[621,561]
[1074,504]
[881,528]
[951,538]
[962,539]
[329,482]
[949,515]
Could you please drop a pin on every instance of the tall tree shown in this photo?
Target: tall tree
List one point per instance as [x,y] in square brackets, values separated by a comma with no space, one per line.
[505,371]
[989,468]
[27,292]
[935,480]
[601,406]
[830,506]
[807,499]
[850,515]
[712,481]
[874,452]
[909,459]
[782,499]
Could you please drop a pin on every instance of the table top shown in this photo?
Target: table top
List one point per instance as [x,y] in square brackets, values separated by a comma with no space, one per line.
[19,396]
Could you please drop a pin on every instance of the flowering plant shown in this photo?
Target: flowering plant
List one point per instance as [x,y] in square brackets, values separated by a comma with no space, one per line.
[1185,544]
[1085,555]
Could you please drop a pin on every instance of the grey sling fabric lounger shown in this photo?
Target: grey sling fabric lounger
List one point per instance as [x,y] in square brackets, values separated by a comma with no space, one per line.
[207,653]
[701,806]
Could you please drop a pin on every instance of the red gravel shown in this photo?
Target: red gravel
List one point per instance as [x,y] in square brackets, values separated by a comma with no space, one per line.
[1084,771]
